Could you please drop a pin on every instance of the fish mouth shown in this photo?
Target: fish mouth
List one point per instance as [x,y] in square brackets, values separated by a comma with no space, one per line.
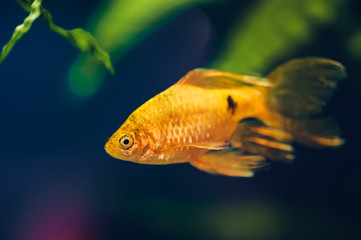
[115,154]
[109,148]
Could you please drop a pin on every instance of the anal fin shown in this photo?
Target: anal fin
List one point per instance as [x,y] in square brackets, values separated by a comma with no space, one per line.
[254,137]
[230,163]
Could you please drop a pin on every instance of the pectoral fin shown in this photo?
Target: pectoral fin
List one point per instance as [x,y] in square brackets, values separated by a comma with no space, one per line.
[229,162]
[254,137]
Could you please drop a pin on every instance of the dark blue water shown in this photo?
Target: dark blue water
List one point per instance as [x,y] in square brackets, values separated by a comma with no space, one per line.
[57,182]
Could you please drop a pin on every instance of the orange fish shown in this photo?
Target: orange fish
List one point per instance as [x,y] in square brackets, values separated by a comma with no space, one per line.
[229,124]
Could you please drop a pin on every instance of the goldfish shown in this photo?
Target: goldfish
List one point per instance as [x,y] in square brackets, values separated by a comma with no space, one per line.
[229,124]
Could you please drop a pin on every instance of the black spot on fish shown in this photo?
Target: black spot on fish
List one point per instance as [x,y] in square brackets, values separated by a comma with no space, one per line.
[231,104]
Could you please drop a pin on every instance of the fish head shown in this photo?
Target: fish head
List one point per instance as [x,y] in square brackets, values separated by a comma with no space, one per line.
[128,145]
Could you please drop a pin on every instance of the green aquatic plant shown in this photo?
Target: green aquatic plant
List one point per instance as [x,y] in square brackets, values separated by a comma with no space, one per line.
[80,38]
[20,30]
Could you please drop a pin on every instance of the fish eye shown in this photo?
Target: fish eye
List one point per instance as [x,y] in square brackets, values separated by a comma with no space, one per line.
[126,141]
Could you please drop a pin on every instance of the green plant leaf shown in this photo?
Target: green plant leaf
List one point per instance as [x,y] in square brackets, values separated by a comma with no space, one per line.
[262,36]
[34,9]
[80,38]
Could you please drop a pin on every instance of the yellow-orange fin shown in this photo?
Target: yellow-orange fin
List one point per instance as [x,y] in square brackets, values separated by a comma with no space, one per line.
[229,163]
[302,87]
[254,137]
[209,78]
[317,133]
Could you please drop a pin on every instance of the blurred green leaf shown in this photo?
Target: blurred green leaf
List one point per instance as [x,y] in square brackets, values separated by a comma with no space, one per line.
[354,45]
[271,30]
[119,25]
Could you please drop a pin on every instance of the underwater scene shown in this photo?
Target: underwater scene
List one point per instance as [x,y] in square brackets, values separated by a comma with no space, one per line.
[180,119]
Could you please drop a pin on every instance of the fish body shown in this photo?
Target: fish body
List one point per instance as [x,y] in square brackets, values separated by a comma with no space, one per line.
[179,127]
[200,120]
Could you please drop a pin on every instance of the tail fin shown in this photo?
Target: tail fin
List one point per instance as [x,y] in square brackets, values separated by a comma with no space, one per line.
[301,88]
[317,133]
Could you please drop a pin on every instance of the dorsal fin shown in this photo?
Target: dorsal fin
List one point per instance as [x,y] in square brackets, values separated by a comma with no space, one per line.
[209,78]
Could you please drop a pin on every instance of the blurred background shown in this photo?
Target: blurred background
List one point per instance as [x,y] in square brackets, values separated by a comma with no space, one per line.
[58,107]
